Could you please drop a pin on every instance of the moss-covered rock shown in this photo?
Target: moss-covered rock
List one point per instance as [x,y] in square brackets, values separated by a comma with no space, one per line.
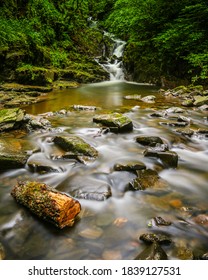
[116,122]
[149,140]
[75,145]
[200,100]
[152,252]
[11,118]
[129,166]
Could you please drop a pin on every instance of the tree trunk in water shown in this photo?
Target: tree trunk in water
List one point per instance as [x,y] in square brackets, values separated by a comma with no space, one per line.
[47,203]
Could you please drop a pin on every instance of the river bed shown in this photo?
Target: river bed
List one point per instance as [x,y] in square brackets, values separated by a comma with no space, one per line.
[110,229]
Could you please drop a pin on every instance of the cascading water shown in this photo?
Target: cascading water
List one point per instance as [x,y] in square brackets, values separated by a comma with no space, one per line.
[113,65]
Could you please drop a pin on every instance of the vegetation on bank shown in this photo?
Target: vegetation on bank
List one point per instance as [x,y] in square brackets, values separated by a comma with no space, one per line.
[45,40]
[166,39]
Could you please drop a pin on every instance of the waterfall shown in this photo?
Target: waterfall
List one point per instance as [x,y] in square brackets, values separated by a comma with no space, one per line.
[113,64]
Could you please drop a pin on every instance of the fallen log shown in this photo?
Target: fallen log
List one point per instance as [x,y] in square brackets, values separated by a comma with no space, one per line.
[55,207]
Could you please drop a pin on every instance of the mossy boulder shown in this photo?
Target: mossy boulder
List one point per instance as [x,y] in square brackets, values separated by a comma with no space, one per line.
[116,122]
[75,146]
[11,118]
[200,100]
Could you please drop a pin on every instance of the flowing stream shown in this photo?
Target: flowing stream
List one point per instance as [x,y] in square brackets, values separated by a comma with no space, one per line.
[110,229]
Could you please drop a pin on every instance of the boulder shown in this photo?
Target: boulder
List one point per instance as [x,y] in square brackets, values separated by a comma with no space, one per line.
[149,140]
[75,146]
[116,122]
[200,100]
[159,238]
[146,179]
[168,158]
[11,118]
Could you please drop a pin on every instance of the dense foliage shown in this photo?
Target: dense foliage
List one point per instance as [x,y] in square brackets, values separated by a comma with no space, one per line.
[165,38]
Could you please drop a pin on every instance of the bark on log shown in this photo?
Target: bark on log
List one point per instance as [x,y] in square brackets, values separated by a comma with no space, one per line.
[47,203]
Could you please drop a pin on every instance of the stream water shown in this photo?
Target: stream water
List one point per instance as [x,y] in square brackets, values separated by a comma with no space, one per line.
[110,229]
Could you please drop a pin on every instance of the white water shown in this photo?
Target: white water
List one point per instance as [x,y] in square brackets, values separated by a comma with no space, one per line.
[114,65]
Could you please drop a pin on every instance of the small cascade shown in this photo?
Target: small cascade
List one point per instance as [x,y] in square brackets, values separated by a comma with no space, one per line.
[113,65]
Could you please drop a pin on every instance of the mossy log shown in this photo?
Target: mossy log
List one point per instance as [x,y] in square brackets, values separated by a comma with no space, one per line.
[55,207]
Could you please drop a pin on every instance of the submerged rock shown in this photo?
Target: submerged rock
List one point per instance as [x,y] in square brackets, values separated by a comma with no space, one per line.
[161,222]
[75,146]
[185,132]
[149,140]
[168,158]
[116,122]
[148,179]
[11,118]
[152,252]
[159,238]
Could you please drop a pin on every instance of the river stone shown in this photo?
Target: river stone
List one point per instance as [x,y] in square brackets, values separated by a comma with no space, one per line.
[91,233]
[41,167]
[149,140]
[10,118]
[174,124]
[75,145]
[186,132]
[159,238]
[149,99]
[188,103]
[200,100]
[148,179]
[175,110]
[183,252]
[168,158]
[84,108]
[12,160]
[116,122]
[33,123]
[133,97]
[152,252]
[161,222]
[129,166]
[2,252]
[204,256]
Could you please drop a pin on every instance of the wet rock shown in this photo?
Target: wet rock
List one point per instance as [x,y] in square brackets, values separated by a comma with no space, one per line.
[20,100]
[168,158]
[11,118]
[42,167]
[174,110]
[161,222]
[2,252]
[204,108]
[75,146]
[202,133]
[152,252]
[159,238]
[148,179]
[149,140]
[12,154]
[116,122]
[185,132]
[188,103]
[129,166]
[84,108]
[32,123]
[149,99]
[158,114]
[174,124]
[133,97]
[200,100]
